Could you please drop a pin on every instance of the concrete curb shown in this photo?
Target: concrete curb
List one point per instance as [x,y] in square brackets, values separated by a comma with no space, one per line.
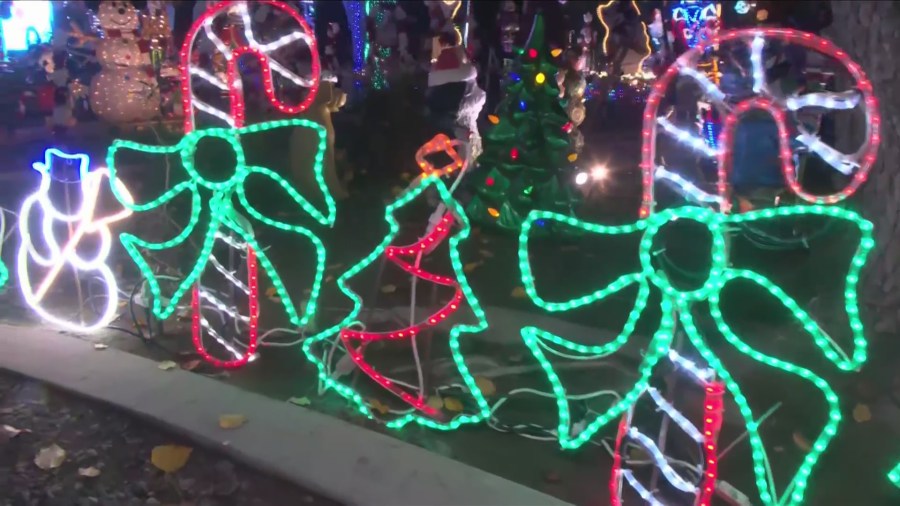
[328,456]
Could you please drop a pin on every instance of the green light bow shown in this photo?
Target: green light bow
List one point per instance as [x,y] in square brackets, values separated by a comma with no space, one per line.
[676,306]
[221,211]
[894,476]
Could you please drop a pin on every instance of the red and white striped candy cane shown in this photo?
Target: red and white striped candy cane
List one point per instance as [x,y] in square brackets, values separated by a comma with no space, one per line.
[251,44]
[232,51]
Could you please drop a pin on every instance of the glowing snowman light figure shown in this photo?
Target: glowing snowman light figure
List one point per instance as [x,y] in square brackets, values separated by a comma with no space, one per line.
[83,224]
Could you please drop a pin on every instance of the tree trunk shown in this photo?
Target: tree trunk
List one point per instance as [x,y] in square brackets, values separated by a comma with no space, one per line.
[869,31]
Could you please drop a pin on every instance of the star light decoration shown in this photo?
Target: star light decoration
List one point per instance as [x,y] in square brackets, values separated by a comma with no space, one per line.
[678,306]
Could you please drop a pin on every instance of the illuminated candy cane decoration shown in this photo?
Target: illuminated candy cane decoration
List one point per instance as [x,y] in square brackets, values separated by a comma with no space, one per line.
[251,45]
[235,118]
[855,165]
[706,438]
[83,223]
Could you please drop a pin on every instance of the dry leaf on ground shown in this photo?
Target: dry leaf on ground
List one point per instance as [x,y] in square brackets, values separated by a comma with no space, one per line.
[167,365]
[802,442]
[388,289]
[379,406]
[486,386]
[435,402]
[50,457]
[170,458]
[190,365]
[89,472]
[862,413]
[300,401]
[232,421]
[518,292]
[271,292]
[453,404]
[471,266]
[8,432]
[100,346]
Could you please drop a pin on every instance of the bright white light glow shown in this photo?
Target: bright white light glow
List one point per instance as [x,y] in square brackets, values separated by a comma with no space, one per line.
[685,187]
[30,20]
[704,375]
[842,163]
[829,100]
[687,138]
[661,462]
[640,489]
[675,415]
[599,173]
[709,88]
[581,178]
[82,223]
[756,61]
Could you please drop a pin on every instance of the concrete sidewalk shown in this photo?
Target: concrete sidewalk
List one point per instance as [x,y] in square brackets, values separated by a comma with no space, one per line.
[323,454]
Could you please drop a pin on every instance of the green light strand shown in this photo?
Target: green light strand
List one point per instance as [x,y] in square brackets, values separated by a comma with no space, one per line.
[458,331]
[894,476]
[4,274]
[678,302]
[222,213]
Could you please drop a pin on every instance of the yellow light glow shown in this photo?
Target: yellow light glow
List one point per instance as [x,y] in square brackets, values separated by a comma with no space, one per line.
[540,78]
[555,52]
[493,212]
[572,157]
[634,5]
[493,119]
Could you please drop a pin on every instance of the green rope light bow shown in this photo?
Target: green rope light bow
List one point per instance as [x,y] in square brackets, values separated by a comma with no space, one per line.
[676,308]
[894,476]
[222,211]
[457,332]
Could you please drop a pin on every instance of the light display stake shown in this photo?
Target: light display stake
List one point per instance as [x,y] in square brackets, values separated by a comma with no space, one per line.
[457,214]
[220,211]
[858,163]
[82,224]
[676,304]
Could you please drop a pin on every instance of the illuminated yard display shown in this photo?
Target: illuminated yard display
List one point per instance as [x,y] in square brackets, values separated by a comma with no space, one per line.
[45,258]
[678,306]
[894,476]
[31,24]
[692,20]
[782,109]
[451,216]
[221,211]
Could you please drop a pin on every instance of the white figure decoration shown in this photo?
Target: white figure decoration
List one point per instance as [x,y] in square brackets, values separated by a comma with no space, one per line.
[126,88]
[45,259]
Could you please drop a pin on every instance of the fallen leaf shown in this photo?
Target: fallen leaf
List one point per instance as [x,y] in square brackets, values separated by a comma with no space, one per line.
[471,266]
[379,406]
[170,458]
[801,442]
[100,346]
[518,292]
[190,365]
[167,365]
[300,401]
[435,402]
[50,457]
[453,404]
[486,386]
[486,253]
[388,289]
[89,472]
[8,432]
[862,413]
[271,291]
[232,421]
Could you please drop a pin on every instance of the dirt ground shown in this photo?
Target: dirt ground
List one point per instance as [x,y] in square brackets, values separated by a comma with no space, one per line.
[117,449]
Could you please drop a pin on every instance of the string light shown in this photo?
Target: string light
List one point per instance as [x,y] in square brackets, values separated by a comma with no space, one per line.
[540,78]
[894,476]
[607,30]
[456,214]
[678,303]
[685,187]
[222,212]
[865,157]
[82,223]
